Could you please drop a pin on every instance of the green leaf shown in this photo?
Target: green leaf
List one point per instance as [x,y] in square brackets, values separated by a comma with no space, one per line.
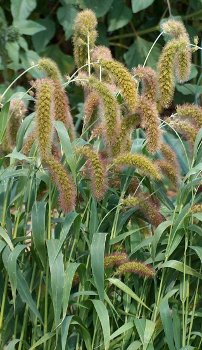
[29,58]
[69,275]
[22,130]
[57,277]
[21,9]
[4,115]
[11,344]
[13,52]
[157,236]
[122,329]
[104,320]
[40,41]
[97,261]
[6,238]
[127,290]
[28,27]
[148,333]
[138,52]
[77,322]
[23,290]
[198,216]
[166,319]
[135,345]
[12,267]
[39,230]
[99,7]
[179,266]
[138,5]
[69,220]
[17,155]
[64,330]
[198,251]
[66,16]
[119,15]
[189,89]
[67,146]
[42,340]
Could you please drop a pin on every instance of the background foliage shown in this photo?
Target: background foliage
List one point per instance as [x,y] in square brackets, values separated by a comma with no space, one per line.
[32,28]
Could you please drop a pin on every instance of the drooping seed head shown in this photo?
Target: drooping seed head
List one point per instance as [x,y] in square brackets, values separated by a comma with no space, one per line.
[191,112]
[50,68]
[115,259]
[150,121]
[137,267]
[149,80]
[64,183]
[17,112]
[96,170]
[124,82]
[139,161]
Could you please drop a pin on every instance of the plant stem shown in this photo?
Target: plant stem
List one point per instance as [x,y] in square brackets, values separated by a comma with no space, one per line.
[3,302]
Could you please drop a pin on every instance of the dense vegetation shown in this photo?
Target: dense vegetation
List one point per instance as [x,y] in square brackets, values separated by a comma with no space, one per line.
[100,178]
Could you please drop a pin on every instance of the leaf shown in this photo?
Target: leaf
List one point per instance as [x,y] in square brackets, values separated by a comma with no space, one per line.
[57,277]
[64,330]
[189,89]
[25,294]
[4,115]
[198,251]
[11,344]
[135,345]
[104,320]
[13,52]
[39,230]
[84,331]
[23,128]
[17,155]
[127,290]
[97,261]
[28,59]
[138,52]
[21,9]
[166,319]
[122,329]
[67,146]
[157,236]
[28,27]
[40,41]
[198,216]
[148,332]
[68,279]
[42,340]
[6,238]
[138,5]
[179,266]
[66,16]
[119,15]
[69,220]
[99,7]
[12,267]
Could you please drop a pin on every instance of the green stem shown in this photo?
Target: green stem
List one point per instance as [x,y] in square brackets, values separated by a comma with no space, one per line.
[25,319]
[3,302]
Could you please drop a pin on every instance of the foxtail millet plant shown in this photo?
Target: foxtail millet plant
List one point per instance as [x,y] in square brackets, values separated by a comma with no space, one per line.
[82,258]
